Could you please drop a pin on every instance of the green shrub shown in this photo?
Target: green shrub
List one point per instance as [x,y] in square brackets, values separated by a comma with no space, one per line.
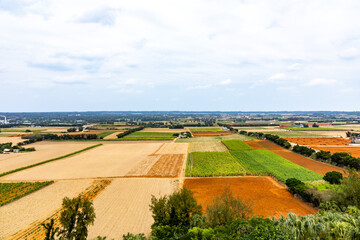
[333,177]
[323,155]
[303,150]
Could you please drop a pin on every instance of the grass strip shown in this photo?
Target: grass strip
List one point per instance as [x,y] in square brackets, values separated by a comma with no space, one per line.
[50,160]
[11,191]
[236,145]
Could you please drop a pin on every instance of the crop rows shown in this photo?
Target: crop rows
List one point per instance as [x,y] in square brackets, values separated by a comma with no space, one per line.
[266,162]
[236,145]
[149,136]
[12,191]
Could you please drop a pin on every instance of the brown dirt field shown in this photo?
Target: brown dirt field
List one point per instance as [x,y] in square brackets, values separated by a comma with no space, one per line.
[207,147]
[14,140]
[168,165]
[44,151]
[113,135]
[354,151]
[124,206]
[318,141]
[173,148]
[143,167]
[210,134]
[108,160]
[19,214]
[163,130]
[308,163]
[329,133]
[270,198]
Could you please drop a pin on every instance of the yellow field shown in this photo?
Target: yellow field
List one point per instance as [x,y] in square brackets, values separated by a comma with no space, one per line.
[163,130]
[207,147]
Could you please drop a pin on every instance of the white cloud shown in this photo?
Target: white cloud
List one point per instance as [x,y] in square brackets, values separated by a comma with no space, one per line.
[295,66]
[225,82]
[349,53]
[276,77]
[321,82]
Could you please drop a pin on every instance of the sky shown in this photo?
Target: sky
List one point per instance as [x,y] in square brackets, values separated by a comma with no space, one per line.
[269,55]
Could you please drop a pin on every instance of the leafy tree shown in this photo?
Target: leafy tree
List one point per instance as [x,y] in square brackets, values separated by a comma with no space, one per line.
[333,177]
[77,214]
[226,208]
[50,230]
[348,192]
[323,155]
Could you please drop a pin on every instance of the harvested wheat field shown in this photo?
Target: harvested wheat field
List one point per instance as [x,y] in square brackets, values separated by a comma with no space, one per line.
[207,147]
[173,148]
[354,151]
[124,206]
[108,160]
[168,165]
[210,134]
[328,133]
[44,151]
[270,198]
[113,135]
[17,215]
[163,130]
[318,141]
[14,140]
[308,163]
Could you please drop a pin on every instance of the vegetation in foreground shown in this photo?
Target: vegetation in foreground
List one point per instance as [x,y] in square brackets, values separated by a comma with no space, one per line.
[205,164]
[12,191]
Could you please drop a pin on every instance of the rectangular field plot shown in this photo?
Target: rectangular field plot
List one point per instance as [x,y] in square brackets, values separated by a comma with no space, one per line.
[270,198]
[319,141]
[44,151]
[207,147]
[353,150]
[207,129]
[266,162]
[203,164]
[149,136]
[108,160]
[19,214]
[168,165]
[236,145]
[124,206]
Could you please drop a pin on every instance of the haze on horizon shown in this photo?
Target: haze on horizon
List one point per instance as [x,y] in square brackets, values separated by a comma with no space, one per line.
[179,55]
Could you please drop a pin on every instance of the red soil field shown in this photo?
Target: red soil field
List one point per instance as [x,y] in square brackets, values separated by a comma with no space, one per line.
[270,198]
[354,151]
[308,163]
[168,165]
[210,134]
[318,141]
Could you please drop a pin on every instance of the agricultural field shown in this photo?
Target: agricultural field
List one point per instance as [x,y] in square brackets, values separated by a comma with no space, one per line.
[353,150]
[44,151]
[270,198]
[206,129]
[214,138]
[19,214]
[205,164]
[15,190]
[168,165]
[316,129]
[112,135]
[266,162]
[149,136]
[106,134]
[236,145]
[311,164]
[207,147]
[172,148]
[288,133]
[14,140]
[319,141]
[166,130]
[124,206]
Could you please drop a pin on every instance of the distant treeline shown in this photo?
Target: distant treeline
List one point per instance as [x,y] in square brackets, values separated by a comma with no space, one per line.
[132,130]
[40,137]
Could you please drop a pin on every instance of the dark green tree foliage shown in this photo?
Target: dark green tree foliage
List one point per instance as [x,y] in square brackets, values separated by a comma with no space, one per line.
[242,132]
[226,208]
[315,125]
[130,236]
[303,150]
[298,187]
[278,140]
[323,155]
[130,131]
[345,159]
[77,214]
[333,177]
[348,192]
[50,230]
[173,214]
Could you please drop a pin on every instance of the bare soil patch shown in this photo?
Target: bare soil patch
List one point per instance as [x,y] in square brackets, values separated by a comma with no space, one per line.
[354,151]
[168,165]
[308,163]
[319,141]
[124,206]
[271,199]
[113,135]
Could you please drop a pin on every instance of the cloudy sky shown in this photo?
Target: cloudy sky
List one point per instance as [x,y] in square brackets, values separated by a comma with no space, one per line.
[179,55]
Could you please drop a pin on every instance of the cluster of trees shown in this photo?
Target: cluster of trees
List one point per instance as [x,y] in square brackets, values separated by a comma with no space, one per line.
[49,136]
[339,158]
[303,150]
[176,126]
[130,131]
[350,134]
[278,140]
[228,127]
[75,129]
[9,146]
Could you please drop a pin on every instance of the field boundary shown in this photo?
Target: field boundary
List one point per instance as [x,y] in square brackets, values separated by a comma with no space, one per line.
[50,160]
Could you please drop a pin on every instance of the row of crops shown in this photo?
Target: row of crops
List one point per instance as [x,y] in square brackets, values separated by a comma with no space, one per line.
[12,191]
[243,159]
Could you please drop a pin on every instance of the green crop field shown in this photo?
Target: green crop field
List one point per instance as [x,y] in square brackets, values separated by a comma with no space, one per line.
[12,191]
[266,162]
[104,134]
[316,129]
[149,136]
[206,164]
[236,145]
[206,129]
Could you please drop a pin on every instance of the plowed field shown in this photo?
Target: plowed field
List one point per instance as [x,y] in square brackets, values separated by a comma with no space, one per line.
[271,199]
[168,165]
[319,141]
[308,163]
[354,151]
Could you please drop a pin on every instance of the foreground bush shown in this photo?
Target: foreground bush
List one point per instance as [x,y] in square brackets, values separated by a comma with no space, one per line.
[333,177]
[348,193]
